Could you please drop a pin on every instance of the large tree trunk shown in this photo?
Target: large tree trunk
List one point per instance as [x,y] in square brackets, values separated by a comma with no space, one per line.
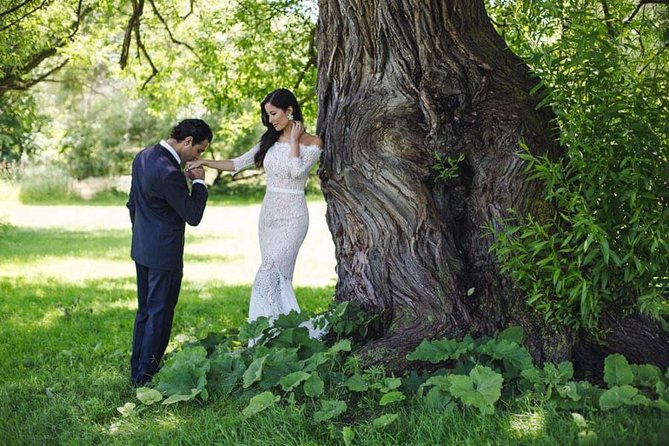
[399,81]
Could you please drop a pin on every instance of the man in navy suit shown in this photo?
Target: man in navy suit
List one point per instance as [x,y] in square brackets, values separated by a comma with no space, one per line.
[160,205]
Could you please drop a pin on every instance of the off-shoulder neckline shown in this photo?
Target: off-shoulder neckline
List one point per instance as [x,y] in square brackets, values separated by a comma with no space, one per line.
[301,144]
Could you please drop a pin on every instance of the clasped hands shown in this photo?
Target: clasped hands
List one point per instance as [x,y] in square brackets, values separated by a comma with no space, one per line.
[194,170]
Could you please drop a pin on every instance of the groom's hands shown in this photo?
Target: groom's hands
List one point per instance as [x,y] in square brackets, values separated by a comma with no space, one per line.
[194,172]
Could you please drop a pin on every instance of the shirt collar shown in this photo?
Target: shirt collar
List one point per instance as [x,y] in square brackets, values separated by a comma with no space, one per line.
[171,150]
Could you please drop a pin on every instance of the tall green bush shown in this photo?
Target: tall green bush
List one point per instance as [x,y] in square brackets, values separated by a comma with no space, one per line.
[607,243]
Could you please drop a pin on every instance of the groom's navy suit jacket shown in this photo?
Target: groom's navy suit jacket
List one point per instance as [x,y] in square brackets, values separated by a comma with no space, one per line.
[160,204]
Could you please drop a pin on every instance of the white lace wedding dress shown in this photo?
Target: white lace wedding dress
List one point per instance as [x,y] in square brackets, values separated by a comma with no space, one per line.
[282,227]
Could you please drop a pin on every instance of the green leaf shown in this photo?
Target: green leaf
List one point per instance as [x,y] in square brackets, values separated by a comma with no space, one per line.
[127,409]
[437,398]
[570,391]
[357,384]
[259,403]
[391,384]
[440,381]
[342,346]
[579,420]
[617,371]
[254,329]
[348,435]
[184,371]
[646,375]
[512,334]
[254,372]
[391,397]
[148,396]
[442,350]
[314,386]
[226,370]
[330,409]
[182,397]
[515,357]
[481,389]
[291,381]
[384,420]
[622,395]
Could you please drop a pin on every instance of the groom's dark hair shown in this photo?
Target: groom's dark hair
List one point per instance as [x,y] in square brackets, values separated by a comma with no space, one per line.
[196,128]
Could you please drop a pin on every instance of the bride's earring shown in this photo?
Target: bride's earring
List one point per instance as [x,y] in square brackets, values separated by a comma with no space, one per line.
[290,116]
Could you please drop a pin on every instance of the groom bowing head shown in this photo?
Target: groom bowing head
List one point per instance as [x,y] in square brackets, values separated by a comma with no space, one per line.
[160,204]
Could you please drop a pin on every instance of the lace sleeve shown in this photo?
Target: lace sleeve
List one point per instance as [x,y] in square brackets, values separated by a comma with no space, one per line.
[245,160]
[301,165]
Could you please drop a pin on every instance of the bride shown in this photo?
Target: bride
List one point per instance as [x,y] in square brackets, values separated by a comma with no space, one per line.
[287,153]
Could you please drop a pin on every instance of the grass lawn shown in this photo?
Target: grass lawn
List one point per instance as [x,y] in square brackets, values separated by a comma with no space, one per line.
[67,302]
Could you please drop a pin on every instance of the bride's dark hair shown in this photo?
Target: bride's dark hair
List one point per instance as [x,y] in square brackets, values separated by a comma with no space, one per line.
[281,98]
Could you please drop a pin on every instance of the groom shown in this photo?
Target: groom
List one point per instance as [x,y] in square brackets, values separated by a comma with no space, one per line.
[160,204]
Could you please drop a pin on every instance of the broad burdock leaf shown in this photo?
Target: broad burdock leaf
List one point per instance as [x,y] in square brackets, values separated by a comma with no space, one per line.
[515,357]
[254,372]
[438,399]
[569,390]
[481,389]
[440,381]
[442,350]
[314,386]
[384,420]
[357,384]
[646,375]
[279,363]
[148,396]
[330,409]
[347,435]
[184,371]
[254,329]
[291,381]
[391,397]
[512,334]
[618,396]
[225,372]
[314,361]
[579,420]
[259,403]
[183,397]
[617,371]
[342,346]
[391,384]
[127,409]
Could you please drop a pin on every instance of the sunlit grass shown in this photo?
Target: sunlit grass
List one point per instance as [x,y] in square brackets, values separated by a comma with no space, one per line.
[527,425]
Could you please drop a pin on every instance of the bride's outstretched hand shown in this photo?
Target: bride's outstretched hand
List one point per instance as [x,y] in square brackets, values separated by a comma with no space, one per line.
[190,165]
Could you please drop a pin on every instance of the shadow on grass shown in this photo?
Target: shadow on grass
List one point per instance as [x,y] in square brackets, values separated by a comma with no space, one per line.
[65,367]
[24,245]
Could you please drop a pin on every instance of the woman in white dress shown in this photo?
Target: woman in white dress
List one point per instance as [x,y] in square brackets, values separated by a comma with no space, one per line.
[287,153]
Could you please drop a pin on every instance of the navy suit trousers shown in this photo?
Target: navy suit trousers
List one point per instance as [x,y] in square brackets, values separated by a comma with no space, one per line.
[157,295]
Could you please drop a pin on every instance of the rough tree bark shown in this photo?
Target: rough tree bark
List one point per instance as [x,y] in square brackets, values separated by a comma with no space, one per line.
[401,80]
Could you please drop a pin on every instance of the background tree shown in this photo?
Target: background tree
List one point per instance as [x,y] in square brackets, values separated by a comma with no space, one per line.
[403,85]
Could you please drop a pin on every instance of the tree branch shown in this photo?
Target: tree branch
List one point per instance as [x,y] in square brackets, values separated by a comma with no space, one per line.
[190,11]
[169,32]
[608,18]
[133,25]
[16,8]
[141,46]
[641,4]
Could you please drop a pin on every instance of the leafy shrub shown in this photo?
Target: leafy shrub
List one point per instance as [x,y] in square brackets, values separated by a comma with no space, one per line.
[43,183]
[608,244]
